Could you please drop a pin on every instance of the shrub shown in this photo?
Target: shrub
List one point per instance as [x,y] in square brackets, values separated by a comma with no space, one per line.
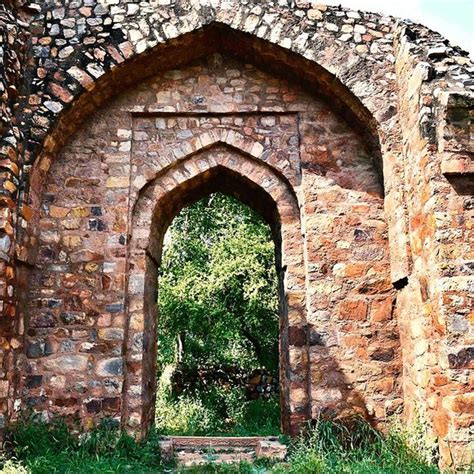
[12,466]
[215,411]
[218,288]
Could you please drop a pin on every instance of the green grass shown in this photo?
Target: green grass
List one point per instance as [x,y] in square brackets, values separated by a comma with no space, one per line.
[189,416]
[53,448]
[355,449]
[327,448]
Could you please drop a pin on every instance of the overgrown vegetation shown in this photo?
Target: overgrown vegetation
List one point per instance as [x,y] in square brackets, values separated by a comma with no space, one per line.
[216,411]
[326,448]
[53,448]
[218,296]
[354,449]
[218,307]
[330,448]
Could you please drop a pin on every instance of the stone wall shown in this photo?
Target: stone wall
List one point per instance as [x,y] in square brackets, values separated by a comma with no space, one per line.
[435,309]
[13,45]
[77,303]
[298,106]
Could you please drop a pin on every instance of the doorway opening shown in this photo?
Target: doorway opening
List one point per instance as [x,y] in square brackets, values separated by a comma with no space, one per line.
[218,168]
[218,323]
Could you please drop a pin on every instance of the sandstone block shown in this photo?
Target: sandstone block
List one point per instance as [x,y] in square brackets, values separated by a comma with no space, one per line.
[271,450]
[353,310]
[118,182]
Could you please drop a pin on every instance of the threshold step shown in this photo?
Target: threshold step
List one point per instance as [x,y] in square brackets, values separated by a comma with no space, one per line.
[198,450]
[197,459]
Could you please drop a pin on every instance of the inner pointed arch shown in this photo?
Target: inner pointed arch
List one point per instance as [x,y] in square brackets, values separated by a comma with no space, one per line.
[222,159]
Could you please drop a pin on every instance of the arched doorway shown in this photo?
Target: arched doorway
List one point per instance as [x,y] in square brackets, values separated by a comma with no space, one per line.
[224,169]
[218,323]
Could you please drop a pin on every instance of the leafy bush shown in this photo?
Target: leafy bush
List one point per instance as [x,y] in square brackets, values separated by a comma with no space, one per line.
[218,288]
[12,466]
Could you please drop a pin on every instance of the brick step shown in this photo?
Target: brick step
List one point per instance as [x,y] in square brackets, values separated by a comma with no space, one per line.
[198,450]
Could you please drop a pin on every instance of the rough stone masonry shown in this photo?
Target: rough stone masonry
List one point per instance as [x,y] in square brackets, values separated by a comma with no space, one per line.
[350,132]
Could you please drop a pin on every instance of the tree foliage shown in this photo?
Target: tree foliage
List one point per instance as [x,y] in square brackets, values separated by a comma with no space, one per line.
[218,290]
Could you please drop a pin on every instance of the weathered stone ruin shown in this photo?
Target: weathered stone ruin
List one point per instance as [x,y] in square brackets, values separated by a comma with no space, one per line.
[350,132]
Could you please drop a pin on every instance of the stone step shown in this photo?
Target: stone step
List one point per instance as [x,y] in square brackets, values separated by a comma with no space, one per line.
[233,441]
[214,449]
[186,459]
[198,450]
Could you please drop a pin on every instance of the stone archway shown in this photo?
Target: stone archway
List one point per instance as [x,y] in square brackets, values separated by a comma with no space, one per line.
[86,327]
[227,169]
[382,73]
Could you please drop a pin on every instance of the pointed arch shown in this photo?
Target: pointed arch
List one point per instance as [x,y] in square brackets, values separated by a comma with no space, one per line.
[232,140]
[351,89]
[226,169]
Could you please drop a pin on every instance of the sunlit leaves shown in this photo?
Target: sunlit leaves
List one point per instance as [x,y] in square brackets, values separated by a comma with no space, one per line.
[218,286]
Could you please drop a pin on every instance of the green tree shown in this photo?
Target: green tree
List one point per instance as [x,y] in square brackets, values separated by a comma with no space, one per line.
[218,289]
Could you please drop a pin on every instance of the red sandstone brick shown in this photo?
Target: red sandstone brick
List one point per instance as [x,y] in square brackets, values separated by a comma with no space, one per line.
[381,310]
[441,422]
[353,309]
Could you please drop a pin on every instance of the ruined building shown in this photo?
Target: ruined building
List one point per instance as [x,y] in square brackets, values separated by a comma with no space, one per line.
[350,132]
